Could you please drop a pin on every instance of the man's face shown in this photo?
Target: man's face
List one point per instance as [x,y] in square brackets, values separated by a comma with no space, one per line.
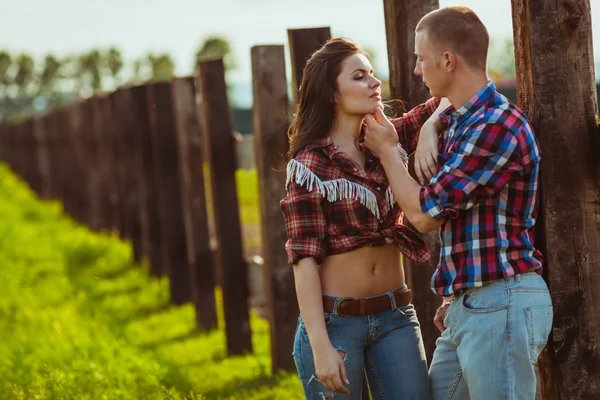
[429,65]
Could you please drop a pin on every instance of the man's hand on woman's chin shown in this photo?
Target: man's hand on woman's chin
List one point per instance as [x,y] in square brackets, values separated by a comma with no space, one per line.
[380,134]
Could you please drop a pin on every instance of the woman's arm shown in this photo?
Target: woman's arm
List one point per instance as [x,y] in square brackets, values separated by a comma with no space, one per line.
[329,365]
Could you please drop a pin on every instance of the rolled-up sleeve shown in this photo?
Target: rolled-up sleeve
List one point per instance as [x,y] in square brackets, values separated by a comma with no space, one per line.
[305,224]
[409,125]
[487,159]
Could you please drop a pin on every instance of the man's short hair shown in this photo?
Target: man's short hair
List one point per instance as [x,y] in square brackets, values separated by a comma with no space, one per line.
[459,30]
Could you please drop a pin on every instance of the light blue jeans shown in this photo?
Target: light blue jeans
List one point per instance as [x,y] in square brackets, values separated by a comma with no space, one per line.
[493,337]
[387,344]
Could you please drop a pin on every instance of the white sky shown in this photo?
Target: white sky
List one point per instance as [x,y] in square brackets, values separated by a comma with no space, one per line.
[178,26]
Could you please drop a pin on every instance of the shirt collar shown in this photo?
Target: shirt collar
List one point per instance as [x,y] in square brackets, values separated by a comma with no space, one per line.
[330,148]
[470,106]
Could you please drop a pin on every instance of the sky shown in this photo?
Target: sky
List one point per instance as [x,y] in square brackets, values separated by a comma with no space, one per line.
[178,27]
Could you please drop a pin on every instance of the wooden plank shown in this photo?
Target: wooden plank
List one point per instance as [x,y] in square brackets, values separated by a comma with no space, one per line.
[108,137]
[401,18]
[270,122]
[304,42]
[556,89]
[199,252]
[90,166]
[150,235]
[40,135]
[218,128]
[166,170]
[129,162]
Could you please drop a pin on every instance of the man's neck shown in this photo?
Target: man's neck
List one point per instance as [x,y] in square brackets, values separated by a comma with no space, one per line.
[465,87]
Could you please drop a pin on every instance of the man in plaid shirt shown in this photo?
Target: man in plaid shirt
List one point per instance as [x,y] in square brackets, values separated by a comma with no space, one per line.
[496,314]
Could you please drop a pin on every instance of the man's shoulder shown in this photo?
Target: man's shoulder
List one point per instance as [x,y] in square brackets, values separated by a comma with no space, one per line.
[501,115]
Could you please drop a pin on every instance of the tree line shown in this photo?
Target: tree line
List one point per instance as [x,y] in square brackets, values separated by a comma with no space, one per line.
[29,86]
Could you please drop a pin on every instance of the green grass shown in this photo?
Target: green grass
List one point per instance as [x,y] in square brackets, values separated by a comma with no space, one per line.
[79,321]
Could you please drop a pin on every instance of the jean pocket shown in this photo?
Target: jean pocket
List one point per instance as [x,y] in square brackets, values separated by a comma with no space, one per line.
[407,311]
[481,303]
[539,324]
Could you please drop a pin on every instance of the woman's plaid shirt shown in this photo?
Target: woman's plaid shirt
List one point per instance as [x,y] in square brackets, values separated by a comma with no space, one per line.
[334,206]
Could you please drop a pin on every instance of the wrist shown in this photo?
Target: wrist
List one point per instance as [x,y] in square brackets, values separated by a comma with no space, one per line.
[320,342]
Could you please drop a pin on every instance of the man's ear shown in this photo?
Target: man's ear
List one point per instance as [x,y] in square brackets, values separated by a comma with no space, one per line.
[449,61]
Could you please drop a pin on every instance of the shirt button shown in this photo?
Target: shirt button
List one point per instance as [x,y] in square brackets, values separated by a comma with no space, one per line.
[355,169]
[370,160]
[378,188]
[335,147]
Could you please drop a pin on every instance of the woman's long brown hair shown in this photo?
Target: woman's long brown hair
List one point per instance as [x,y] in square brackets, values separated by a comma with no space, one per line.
[315,113]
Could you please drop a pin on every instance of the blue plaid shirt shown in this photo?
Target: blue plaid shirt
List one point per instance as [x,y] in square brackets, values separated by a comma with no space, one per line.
[486,191]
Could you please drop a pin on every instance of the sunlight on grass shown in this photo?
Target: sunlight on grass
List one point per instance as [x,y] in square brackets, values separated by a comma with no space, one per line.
[79,321]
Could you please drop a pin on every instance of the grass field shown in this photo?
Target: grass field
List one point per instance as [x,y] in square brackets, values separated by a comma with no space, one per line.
[79,321]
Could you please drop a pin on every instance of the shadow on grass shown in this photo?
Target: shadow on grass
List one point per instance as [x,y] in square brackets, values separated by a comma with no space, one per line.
[256,383]
[117,292]
[191,334]
[143,312]
[215,358]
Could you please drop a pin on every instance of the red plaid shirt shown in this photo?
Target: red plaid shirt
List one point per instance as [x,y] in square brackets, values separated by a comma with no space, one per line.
[334,206]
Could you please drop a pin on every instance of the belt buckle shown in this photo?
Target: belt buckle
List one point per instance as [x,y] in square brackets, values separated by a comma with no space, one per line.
[337,309]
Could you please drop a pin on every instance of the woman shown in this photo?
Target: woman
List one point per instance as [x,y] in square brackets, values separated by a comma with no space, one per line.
[345,238]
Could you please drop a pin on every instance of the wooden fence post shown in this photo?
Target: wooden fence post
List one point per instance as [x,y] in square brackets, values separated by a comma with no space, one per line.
[217,125]
[401,18]
[166,170]
[270,117]
[108,136]
[148,213]
[129,167]
[199,252]
[556,89]
[41,139]
[304,42]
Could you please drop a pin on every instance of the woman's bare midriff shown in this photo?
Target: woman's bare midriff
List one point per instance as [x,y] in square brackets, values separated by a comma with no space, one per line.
[364,272]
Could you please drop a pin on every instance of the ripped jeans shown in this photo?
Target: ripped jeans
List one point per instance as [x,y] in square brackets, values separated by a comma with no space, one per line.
[387,344]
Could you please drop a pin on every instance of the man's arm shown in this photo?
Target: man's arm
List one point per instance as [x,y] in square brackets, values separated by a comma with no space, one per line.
[409,125]
[488,157]
[406,190]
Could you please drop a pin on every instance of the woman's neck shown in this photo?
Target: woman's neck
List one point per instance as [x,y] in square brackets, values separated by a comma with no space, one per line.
[347,131]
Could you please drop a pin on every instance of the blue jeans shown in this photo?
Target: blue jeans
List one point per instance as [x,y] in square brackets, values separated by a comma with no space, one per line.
[494,335]
[387,344]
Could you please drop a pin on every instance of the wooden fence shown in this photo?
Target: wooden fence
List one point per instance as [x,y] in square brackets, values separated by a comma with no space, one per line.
[132,162]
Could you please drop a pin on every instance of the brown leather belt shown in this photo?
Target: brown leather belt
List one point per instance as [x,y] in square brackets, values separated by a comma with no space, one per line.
[348,307]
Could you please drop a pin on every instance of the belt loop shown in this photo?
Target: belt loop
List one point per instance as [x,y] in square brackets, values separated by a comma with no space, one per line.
[336,304]
[392,300]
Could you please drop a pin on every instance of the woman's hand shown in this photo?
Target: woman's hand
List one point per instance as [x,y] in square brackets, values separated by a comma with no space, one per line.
[330,369]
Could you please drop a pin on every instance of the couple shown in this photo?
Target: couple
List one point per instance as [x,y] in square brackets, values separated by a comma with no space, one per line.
[347,190]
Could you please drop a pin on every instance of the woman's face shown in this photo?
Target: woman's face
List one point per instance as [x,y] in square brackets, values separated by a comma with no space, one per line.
[358,91]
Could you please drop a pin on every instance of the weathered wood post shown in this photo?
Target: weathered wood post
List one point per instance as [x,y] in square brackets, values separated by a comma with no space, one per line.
[218,128]
[166,171]
[556,89]
[270,122]
[147,195]
[304,42]
[401,18]
[199,253]
[43,157]
[129,161]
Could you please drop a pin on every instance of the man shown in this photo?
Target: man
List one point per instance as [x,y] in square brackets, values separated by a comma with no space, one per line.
[496,312]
